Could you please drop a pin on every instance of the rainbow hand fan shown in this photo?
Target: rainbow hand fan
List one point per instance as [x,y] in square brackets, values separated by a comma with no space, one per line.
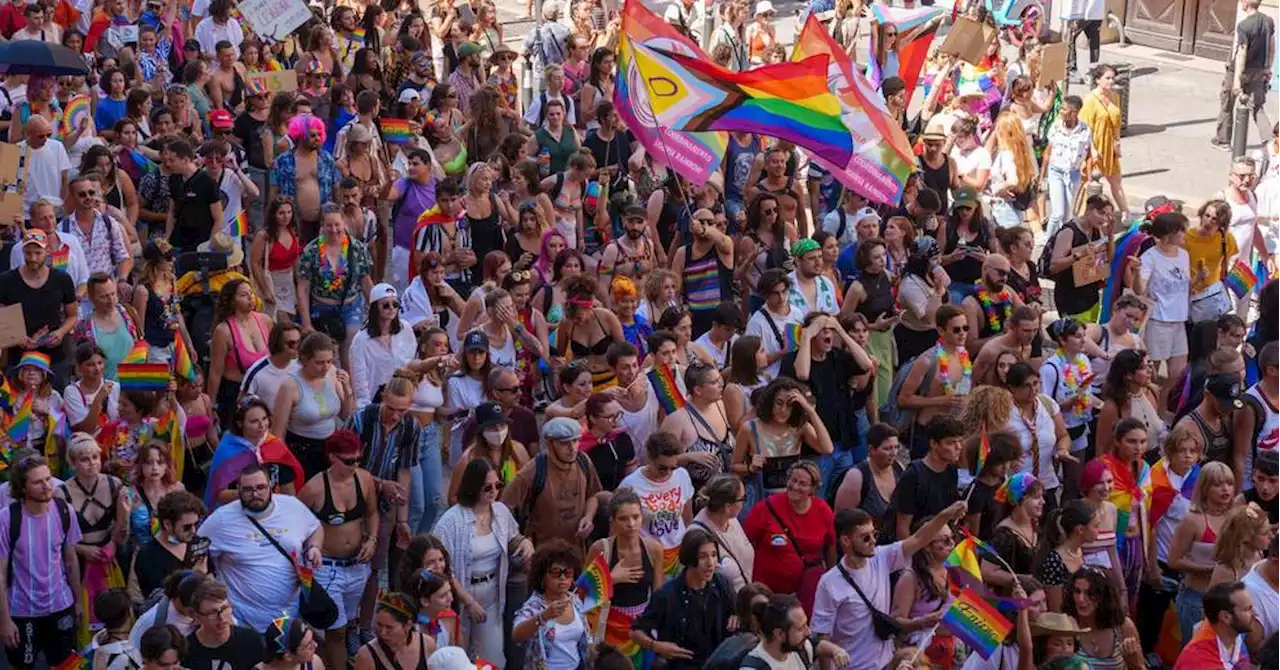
[595,584]
[75,110]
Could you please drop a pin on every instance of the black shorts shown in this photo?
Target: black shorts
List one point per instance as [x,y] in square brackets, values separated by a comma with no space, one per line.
[54,635]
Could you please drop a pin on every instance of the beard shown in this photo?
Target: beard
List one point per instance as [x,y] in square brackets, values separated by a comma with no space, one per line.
[255,506]
[634,234]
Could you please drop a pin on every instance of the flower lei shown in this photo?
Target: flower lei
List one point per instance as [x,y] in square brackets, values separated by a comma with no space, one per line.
[332,277]
[997,308]
[944,370]
[1074,372]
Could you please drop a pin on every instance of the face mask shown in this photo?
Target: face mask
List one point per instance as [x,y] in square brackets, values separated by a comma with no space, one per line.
[495,436]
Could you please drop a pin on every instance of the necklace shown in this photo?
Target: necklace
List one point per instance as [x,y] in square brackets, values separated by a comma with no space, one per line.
[944,370]
[332,275]
[997,308]
[1074,372]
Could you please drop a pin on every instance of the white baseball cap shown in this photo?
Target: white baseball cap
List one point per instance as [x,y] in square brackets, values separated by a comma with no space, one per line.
[381,291]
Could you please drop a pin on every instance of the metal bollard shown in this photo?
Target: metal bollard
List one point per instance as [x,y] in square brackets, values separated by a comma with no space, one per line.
[1240,129]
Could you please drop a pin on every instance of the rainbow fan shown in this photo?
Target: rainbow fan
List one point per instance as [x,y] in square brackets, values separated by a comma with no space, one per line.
[76,109]
[595,584]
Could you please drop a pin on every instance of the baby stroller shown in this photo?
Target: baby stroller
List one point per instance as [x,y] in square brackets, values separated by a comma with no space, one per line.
[201,277]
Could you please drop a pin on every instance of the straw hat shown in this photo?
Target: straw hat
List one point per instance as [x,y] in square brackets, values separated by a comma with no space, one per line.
[1056,623]
[222,243]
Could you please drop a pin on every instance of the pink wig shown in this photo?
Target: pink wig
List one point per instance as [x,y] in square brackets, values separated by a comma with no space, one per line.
[543,264]
[302,125]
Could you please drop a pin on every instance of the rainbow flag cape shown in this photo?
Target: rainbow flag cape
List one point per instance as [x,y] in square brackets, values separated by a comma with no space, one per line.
[694,155]
[1127,244]
[183,366]
[789,101]
[1158,491]
[144,376]
[975,622]
[395,131]
[663,379]
[238,226]
[76,109]
[231,456]
[595,584]
[20,424]
[1241,279]
[1126,494]
[1188,489]
[138,354]
[916,30]
[882,158]
[962,564]
[144,164]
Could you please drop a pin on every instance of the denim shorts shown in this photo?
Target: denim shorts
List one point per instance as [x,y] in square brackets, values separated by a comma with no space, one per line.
[352,314]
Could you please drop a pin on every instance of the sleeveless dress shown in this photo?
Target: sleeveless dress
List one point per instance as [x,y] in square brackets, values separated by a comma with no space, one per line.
[707,442]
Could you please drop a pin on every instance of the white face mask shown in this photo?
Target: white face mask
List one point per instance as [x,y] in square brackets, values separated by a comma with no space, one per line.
[495,436]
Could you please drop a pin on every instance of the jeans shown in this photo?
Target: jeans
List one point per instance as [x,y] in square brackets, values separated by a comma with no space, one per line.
[426,495]
[1063,187]
[1253,84]
[827,466]
[1004,214]
[842,459]
[859,451]
[1190,607]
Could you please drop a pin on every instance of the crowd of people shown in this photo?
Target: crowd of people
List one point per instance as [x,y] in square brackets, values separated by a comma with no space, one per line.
[435,377]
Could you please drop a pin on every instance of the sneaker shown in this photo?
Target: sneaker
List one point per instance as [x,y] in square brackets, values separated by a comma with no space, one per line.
[1220,146]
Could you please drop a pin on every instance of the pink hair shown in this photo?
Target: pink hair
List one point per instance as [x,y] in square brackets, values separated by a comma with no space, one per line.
[302,125]
[543,264]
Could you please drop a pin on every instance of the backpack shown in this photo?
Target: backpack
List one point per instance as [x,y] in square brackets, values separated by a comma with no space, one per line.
[540,467]
[1046,254]
[542,109]
[899,417]
[15,529]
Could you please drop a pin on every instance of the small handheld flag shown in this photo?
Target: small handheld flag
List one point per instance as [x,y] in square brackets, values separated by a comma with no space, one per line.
[395,131]
[183,367]
[984,450]
[664,386]
[20,424]
[962,564]
[76,661]
[595,584]
[144,376]
[239,226]
[1241,280]
[138,354]
[977,623]
[792,334]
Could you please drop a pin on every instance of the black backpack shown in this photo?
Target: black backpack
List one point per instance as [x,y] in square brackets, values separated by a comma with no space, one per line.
[1046,255]
[15,529]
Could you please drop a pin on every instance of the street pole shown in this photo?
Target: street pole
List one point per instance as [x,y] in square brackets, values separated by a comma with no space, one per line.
[535,82]
[708,24]
[1240,129]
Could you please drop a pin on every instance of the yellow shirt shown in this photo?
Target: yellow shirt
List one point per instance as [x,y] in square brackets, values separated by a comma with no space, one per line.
[1205,250]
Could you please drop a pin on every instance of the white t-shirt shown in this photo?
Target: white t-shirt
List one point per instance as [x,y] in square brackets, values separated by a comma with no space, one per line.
[75,402]
[148,619]
[663,504]
[1045,438]
[831,224]
[641,424]
[261,583]
[373,363]
[232,201]
[1168,283]
[208,34]
[971,161]
[264,379]
[47,165]
[77,266]
[1265,604]
[793,661]
[840,613]
[758,325]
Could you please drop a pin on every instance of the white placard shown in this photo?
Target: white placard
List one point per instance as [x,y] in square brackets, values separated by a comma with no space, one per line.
[273,20]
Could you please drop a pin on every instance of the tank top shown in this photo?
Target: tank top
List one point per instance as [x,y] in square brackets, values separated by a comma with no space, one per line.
[280,257]
[1217,445]
[113,196]
[383,652]
[428,397]
[705,441]
[1114,661]
[155,327]
[938,179]
[315,416]
[503,353]
[874,503]
[631,594]
[1266,428]
[879,300]
[557,152]
[780,453]
[329,512]
[706,280]
[239,354]
[737,161]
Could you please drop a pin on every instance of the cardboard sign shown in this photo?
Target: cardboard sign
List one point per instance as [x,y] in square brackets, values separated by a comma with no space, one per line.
[13,326]
[10,155]
[1053,63]
[285,80]
[1093,266]
[274,20]
[968,40]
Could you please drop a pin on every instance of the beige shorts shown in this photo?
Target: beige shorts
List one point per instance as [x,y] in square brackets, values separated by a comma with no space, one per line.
[1165,339]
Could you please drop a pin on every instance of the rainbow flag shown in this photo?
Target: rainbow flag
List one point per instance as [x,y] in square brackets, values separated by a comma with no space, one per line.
[1126,494]
[306,575]
[1159,493]
[916,30]
[696,156]
[882,158]
[962,564]
[6,395]
[975,622]
[792,334]
[183,367]
[73,112]
[789,101]
[663,380]
[430,217]
[358,35]
[20,424]
[238,226]
[395,131]
[984,450]
[144,164]
[1127,244]
[76,661]
[1241,279]
[974,81]
[144,376]
[595,584]
[55,427]
[1189,482]
[138,354]
[167,428]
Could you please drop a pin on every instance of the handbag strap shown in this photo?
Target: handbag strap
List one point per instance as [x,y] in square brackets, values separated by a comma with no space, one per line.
[794,545]
[273,541]
[865,600]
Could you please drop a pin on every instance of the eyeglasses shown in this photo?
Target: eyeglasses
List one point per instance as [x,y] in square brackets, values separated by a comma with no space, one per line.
[611,418]
[959,329]
[255,489]
[218,612]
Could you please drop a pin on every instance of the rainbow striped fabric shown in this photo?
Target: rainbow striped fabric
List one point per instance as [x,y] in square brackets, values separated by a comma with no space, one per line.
[73,112]
[962,564]
[144,376]
[916,30]
[789,101]
[183,366]
[138,354]
[663,379]
[20,423]
[976,622]
[1241,279]
[238,226]
[395,131]
[595,584]
[696,156]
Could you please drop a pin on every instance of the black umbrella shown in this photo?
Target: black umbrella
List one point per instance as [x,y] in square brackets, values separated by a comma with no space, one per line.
[37,57]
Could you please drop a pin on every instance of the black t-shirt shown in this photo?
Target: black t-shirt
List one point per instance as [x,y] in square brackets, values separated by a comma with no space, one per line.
[153,566]
[922,492]
[1271,507]
[42,307]
[610,458]
[983,503]
[193,220]
[244,650]
[249,131]
[1255,34]
[613,152]
[831,380]
[1067,297]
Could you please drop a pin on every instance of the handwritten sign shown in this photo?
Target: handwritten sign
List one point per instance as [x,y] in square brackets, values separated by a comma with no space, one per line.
[13,326]
[1053,63]
[274,20]
[968,40]
[286,80]
[10,156]
[1093,266]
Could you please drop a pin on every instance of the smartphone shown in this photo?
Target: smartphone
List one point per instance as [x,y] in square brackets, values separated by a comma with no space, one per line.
[197,550]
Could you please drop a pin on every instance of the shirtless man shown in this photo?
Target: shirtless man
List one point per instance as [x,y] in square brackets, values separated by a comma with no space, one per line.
[308,173]
[345,499]
[702,424]
[769,175]
[942,395]
[226,83]
[633,254]
[1023,325]
[992,304]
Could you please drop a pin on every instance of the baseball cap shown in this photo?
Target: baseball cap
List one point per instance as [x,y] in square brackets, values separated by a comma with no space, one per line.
[561,428]
[635,212]
[35,236]
[489,414]
[221,119]
[475,340]
[409,95]
[468,49]
[965,196]
[1225,387]
[381,291]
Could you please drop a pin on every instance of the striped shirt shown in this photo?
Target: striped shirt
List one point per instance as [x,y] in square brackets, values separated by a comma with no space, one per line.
[40,586]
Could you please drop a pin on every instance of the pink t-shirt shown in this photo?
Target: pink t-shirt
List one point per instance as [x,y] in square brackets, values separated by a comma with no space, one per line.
[840,613]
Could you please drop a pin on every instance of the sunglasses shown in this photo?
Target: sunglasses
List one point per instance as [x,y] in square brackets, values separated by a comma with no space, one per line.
[87,194]
[394,304]
[349,461]
[492,488]
[959,329]
[561,573]
[771,210]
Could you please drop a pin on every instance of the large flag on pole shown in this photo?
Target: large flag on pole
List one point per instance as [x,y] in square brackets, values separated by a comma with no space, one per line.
[694,155]
[916,30]
[789,101]
[882,158]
